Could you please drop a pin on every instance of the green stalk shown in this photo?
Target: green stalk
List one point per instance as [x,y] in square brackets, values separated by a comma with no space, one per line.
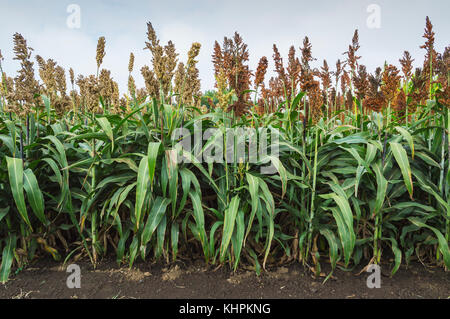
[375,237]
[447,225]
[313,194]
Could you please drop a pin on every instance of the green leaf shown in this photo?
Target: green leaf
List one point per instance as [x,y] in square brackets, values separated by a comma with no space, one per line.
[382,185]
[141,191]
[228,227]
[9,143]
[154,218]
[7,258]
[34,195]
[175,232]
[402,160]
[106,126]
[282,171]
[15,172]
[253,186]
[333,248]
[407,136]
[199,220]
[238,237]
[153,149]
[397,254]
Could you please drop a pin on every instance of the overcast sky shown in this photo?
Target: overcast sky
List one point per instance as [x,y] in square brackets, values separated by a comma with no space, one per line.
[328,24]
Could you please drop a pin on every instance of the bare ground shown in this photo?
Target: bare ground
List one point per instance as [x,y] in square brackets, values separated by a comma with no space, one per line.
[47,279]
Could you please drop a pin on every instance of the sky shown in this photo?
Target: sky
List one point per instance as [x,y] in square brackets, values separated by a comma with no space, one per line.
[386,29]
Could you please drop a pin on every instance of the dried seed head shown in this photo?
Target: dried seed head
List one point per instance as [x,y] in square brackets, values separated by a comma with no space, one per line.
[158,62]
[217,59]
[307,82]
[141,94]
[419,92]
[193,53]
[60,79]
[131,63]
[279,68]
[294,66]
[170,63]
[406,63]
[306,53]
[375,81]
[390,82]
[72,76]
[131,85]
[222,85]
[152,38]
[180,75]
[430,63]
[352,58]
[325,76]
[361,82]
[400,103]
[345,82]
[315,102]
[375,102]
[429,35]
[443,67]
[349,100]
[239,108]
[261,71]
[151,83]
[338,71]
[25,85]
[89,91]
[21,50]
[100,51]
[235,56]
[277,89]
[333,95]
[191,93]
[62,105]
[7,87]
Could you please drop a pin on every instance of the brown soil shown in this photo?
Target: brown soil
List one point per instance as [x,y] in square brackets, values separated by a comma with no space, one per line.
[47,279]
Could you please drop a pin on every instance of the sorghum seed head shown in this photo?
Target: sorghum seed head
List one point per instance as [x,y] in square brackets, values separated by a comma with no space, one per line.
[100,51]
[131,63]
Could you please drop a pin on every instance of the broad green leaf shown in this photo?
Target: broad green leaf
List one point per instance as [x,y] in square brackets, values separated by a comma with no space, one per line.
[402,160]
[141,191]
[199,220]
[408,137]
[153,149]
[7,258]
[106,126]
[34,195]
[154,218]
[228,227]
[15,172]
[382,185]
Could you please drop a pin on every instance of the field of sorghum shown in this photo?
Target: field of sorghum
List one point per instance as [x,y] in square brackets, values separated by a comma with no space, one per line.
[361,173]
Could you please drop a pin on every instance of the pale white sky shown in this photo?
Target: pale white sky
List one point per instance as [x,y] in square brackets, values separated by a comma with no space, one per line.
[329,25]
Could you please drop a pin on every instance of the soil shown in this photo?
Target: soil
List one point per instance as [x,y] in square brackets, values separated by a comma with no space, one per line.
[47,279]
